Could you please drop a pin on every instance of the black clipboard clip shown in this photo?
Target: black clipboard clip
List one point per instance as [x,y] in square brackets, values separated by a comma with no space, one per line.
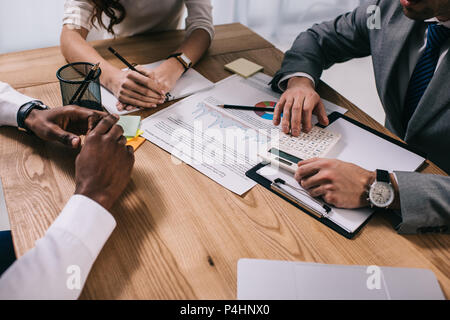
[277,186]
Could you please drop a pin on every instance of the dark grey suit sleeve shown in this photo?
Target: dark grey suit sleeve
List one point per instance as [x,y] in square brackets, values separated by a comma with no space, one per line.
[425,202]
[328,43]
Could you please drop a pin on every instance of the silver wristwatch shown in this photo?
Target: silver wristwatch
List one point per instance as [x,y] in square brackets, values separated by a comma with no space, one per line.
[381,192]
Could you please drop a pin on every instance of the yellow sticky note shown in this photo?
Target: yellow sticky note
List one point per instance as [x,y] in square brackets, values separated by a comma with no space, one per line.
[138,133]
[243,67]
[136,142]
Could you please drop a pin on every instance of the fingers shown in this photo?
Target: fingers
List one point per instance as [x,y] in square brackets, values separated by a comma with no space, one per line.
[308,107]
[313,103]
[56,133]
[147,82]
[130,150]
[143,92]
[314,181]
[123,140]
[94,120]
[308,168]
[318,191]
[321,113]
[77,112]
[146,72]
[286,120]
[297,107]
[296,117]
[278,110]
[75,119]
[105,124]
[116,132]
[134,101]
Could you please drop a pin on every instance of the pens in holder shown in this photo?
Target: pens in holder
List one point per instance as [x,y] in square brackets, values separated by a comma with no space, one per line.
[248,108]
[84,85]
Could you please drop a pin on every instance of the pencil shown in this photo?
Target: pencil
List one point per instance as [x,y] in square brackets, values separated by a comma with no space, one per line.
[129,65]
[248,108]
[82,88]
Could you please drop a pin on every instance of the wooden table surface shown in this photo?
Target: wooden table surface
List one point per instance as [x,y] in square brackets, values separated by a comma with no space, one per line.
[179,235]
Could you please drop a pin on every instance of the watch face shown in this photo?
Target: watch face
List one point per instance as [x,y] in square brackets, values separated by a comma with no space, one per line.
[186,60]
[381,194]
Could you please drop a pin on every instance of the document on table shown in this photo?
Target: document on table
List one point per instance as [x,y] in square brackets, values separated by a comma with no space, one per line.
[190,82]
[221,143]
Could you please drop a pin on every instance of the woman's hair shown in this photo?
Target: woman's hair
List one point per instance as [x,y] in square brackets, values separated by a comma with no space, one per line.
[113,9]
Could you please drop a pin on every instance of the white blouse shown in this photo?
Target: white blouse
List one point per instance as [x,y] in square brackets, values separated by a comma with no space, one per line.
[144,15]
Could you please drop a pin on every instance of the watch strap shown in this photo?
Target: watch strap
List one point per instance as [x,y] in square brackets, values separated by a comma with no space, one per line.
[25,110]
[177,56]
[383,176]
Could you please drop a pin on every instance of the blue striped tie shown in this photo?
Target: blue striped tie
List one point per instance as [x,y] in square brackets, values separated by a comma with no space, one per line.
[425,68]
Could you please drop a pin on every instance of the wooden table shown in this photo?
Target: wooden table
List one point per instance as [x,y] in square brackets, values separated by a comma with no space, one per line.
[179,235]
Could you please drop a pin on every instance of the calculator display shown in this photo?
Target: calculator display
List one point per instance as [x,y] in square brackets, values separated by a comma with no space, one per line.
[285,155]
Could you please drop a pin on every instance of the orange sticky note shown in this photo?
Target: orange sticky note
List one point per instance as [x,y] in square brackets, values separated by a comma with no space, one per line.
[136,142]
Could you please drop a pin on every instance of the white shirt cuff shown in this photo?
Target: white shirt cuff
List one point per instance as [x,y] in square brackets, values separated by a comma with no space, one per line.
[86,220]
[10,103]
[282,84]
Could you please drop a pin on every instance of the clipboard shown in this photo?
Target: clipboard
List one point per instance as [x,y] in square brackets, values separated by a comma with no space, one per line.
[266,183]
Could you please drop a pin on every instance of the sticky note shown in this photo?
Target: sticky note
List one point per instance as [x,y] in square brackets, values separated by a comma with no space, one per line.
[243,67]
[136,142]
[138,133]
[130,125]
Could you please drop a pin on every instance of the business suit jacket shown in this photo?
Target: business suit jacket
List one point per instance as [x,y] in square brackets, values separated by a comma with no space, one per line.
[425,199]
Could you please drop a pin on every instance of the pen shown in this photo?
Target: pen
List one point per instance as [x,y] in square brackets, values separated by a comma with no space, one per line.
[248,108]
[129,65]
[82,88]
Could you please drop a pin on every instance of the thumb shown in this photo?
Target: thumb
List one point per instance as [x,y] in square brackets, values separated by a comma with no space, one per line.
[71,140]
[321,114]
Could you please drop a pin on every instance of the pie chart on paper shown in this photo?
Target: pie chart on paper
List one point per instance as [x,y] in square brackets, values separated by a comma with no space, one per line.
[265,104]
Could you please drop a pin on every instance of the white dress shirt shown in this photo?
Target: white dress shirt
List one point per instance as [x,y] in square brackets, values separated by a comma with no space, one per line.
[145,15]
[58,265]
[417,46]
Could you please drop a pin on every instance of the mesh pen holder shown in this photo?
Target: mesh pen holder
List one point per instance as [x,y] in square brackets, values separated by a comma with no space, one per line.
[71,77]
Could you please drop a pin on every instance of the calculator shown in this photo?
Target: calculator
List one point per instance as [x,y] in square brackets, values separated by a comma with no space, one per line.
[288,151]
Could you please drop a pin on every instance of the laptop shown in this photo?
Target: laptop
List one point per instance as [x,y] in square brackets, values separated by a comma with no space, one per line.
[283,280]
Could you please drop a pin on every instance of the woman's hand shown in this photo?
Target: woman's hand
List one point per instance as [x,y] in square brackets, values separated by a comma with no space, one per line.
[168,73]
[134,89]
[166,76]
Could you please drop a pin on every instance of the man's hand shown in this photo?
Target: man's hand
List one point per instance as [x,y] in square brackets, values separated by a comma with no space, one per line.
[63,124]
[298,103]
[341,184]
[103,167]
